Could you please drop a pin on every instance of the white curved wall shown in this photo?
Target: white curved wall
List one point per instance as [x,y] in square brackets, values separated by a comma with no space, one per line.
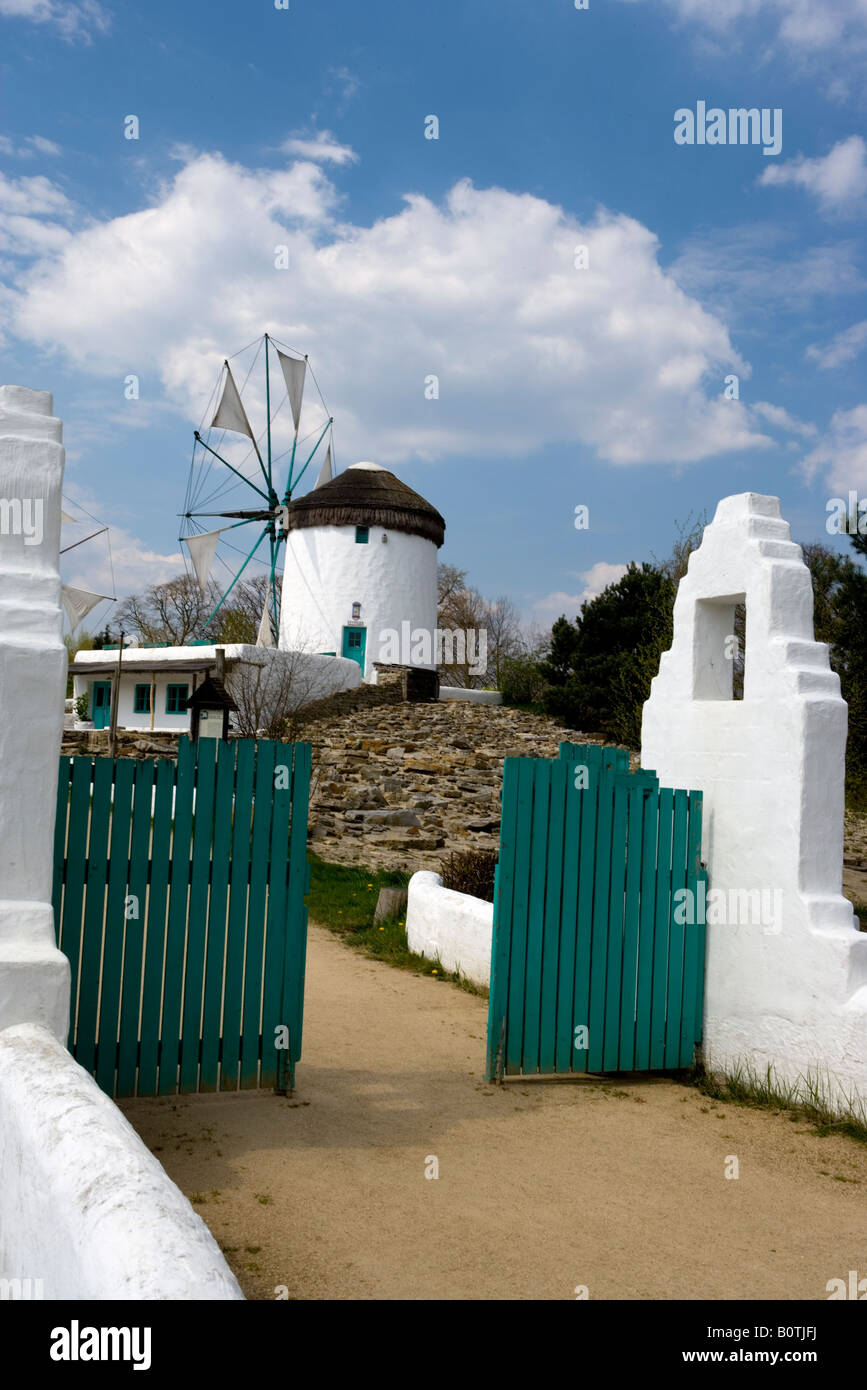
[326,571]
[453,928]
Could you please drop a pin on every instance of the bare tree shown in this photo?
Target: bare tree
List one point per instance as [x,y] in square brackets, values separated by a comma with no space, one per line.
[173,612]
[272,692]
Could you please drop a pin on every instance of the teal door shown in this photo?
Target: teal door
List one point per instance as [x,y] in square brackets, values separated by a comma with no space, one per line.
[101,704]
[354,643]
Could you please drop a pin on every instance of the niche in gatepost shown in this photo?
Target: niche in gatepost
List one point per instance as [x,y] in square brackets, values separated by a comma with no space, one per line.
[720,647]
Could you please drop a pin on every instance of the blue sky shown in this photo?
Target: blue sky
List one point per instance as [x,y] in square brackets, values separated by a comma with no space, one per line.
[559,385]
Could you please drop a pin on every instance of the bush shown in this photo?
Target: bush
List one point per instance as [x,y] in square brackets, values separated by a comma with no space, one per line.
[471,872]
[521,682]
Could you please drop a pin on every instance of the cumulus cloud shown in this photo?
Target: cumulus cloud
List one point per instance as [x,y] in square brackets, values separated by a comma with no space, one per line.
[842,453]
[481,291]
[837,180]
[320,147]
[32,213]
[78,20]
[596,578]
[843,347]
[782,420]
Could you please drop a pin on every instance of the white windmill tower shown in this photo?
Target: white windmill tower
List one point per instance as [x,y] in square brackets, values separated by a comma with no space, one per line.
[360,568]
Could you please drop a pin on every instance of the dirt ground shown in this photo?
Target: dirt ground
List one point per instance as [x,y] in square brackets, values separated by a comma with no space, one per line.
[543,1186]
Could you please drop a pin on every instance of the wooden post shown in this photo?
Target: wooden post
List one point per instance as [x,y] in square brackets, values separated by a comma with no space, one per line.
[115,701]
[153,697]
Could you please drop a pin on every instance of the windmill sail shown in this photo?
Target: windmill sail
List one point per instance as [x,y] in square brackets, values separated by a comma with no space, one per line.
[202,550]
[231,414]
[294,372]
[326,472]
[78,603]
[265,636]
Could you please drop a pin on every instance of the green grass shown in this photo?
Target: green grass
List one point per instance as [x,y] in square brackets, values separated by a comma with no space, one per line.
[808,1099]
[343,898]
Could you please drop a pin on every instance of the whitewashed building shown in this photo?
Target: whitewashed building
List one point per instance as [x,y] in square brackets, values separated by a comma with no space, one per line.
[361,570]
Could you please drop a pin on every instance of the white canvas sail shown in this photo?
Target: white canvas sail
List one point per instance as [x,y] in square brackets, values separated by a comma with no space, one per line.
[265,637]
[326,472]
[202,550]
[64,516]
[78,603]
[231,414]
[294,372]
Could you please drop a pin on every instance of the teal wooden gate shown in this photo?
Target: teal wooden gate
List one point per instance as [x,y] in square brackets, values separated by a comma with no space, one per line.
[179,901]
[597,961]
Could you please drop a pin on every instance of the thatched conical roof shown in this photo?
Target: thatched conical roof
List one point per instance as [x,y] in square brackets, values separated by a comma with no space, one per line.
[367,495]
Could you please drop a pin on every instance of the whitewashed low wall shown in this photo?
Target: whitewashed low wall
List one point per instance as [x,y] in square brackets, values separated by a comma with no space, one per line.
[84,1206]
[451,927]
[478,697]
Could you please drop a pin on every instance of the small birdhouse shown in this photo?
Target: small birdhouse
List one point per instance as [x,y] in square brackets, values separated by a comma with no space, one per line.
[209,708]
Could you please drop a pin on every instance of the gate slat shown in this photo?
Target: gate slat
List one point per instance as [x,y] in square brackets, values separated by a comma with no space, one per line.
[614,964]
[133,939]
[693,970]
[520,919]
[94,914]
[676,932]
[584,922]
[275,943]
[647,910]
[203,830]
[118,872]
[568,926]
[501,938]
[661,924]
[295,948]
[155,943]
[73,897]
[628,1010]
[215,948]
[540,847]
[239,871]
[176,929]
[251,1048]
[550,923]
[599,938]
[61,829]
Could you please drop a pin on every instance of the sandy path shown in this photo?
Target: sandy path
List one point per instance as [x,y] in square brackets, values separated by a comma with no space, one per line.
[542,1185]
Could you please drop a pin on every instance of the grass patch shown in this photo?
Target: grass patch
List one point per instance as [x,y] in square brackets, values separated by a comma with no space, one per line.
[343,898]
[808,1098]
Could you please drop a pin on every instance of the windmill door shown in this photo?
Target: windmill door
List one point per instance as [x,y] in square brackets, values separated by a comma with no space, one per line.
[101,704]
[598,951]
[354,644]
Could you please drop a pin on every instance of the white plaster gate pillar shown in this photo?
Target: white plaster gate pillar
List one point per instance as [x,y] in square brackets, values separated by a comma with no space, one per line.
[786,985]
[34,975]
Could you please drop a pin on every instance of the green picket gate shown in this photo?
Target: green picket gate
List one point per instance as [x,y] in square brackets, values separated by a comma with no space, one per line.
[597,962]
[179,902]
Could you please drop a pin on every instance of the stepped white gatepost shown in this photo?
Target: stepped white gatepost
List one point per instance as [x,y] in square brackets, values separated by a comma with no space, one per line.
[34,975]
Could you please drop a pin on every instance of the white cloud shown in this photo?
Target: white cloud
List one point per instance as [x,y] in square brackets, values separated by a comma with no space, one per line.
[29,213]
[73,20]
[596,578]
[27,147]
[113,563]
[480,290]
[837,180]
[843,347]
[782,420]
[798,25]
[320,147]
[737,269]
[842,453]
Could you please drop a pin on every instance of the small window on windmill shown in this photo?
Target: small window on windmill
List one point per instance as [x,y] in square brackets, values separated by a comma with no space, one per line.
[356,611]
[720,648]
[362,535]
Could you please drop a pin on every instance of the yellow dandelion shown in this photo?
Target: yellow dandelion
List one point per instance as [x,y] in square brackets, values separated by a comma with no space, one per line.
[434,972]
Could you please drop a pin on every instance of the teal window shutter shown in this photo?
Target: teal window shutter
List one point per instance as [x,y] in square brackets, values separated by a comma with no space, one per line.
[362,535]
